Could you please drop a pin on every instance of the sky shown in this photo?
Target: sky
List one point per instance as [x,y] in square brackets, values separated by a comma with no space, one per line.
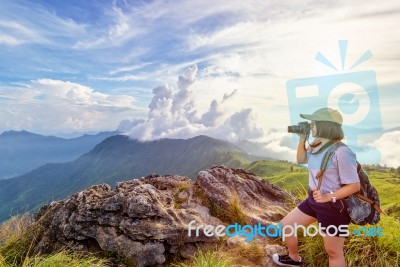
[176,69]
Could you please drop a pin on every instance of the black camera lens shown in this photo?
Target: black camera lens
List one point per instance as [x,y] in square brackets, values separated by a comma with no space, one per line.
[294,129]
[300,128]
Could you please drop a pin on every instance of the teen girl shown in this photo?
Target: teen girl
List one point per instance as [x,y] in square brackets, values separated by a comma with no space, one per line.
[325,205]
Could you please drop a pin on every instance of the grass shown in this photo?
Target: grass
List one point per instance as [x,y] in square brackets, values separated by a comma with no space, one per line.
[18,238]
[235,211]
[231,159]
[14,228]
[2,261]
[269,168]
[17,246]
[232,214]
[359,250]
[208,259]
[388,187]
[64,258]
[250,252]
[183,186]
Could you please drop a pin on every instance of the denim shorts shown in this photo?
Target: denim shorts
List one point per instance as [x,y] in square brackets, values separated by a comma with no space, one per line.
[327,214]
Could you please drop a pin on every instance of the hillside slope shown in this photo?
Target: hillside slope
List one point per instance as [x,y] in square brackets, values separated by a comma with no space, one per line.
[117,158]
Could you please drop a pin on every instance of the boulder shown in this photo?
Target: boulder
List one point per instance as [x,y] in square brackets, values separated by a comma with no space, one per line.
[147,219]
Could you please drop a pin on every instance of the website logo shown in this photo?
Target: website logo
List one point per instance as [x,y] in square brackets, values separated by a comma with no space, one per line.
[353,94]
[272,230]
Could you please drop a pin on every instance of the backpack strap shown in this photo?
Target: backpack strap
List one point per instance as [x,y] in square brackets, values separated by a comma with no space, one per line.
[324,162]
[361,196]
[370,201]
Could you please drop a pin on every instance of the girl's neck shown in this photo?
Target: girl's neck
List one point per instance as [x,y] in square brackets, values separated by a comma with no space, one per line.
[319,142]
[324,141]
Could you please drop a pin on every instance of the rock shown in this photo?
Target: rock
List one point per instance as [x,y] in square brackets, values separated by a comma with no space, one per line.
[148,219]
[236,241]
[259,200]
[272,249]
[188,251]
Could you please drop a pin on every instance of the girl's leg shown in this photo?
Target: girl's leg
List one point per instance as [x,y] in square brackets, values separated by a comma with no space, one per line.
[298,217]
[334,248]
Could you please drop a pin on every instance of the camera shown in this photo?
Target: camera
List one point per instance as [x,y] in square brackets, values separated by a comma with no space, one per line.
[301,128]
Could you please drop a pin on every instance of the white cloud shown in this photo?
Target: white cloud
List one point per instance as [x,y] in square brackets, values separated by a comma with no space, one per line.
[53,106]
[129,68]
[19,25]
[389,146]
[126,125]
[9,40]
[176,114]
[118,33]
[14,33]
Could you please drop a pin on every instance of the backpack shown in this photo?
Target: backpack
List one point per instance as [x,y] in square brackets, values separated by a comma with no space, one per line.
[363,206]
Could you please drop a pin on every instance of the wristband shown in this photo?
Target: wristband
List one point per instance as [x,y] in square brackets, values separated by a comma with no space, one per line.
[333,200]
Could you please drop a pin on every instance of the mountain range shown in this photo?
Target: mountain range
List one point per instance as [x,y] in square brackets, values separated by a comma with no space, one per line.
[23,151]
[117,158]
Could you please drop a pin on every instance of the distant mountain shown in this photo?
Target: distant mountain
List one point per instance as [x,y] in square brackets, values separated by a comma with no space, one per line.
[117,158]
[391,130]
[22,151]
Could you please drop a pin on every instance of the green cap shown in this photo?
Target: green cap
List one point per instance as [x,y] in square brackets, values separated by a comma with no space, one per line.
[325,114]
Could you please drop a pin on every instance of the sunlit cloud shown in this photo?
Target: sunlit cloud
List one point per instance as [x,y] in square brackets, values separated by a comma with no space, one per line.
[175,114]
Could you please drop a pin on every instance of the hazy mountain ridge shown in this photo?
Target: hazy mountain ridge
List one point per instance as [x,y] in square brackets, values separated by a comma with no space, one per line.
[23,151]
[117,158]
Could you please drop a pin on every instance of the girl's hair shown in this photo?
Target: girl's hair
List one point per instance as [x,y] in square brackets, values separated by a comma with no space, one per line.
[329,130]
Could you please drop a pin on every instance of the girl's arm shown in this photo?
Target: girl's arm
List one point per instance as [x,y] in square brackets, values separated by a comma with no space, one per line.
[301,151]
[343,192]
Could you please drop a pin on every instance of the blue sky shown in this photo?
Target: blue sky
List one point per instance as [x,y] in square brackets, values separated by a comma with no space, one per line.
[78,66]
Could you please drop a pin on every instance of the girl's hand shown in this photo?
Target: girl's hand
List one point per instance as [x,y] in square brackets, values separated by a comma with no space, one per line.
[302,137]
[320,197]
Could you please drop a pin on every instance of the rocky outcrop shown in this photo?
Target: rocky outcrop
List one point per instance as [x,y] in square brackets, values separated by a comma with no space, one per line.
[147,219]
[259,200]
